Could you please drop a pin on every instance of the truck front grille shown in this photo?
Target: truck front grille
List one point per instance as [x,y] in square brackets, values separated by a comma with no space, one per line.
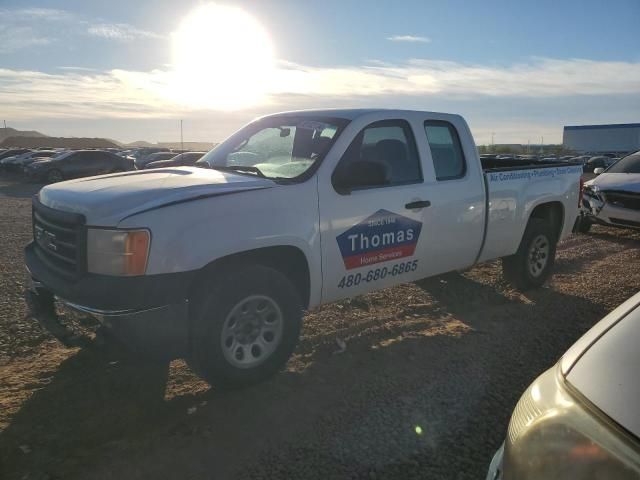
[60,239]
[623,199]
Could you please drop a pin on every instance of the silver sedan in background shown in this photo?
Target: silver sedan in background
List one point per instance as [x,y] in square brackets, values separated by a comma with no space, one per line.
[580,420]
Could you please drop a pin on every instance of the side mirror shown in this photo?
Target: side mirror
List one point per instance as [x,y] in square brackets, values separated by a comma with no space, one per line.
[598,170]
[360,174]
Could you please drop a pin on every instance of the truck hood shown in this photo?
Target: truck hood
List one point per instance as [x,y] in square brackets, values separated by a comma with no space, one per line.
[105,200]
[629,182]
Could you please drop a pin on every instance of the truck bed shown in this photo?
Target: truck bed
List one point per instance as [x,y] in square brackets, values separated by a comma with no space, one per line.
[514,188]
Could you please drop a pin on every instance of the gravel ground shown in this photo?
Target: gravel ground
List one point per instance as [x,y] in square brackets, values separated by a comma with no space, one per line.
[424,389]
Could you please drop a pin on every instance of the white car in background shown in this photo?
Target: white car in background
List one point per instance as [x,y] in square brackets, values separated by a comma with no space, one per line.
[580,420]
[613,197]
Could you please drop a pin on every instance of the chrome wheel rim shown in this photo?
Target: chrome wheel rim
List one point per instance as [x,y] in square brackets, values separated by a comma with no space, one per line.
[252,331]
[538,255]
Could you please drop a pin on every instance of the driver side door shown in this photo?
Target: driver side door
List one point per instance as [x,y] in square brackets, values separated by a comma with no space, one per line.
[372,213]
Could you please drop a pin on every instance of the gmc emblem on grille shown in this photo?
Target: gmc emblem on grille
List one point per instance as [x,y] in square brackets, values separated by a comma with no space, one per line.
[46,238]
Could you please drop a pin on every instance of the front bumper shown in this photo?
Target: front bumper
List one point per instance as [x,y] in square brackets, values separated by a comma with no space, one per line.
[158,332]
[147,313]
[598,210]
[495,468]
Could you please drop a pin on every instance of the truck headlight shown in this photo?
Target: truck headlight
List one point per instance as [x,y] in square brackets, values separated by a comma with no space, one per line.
[117,252]
[554,433]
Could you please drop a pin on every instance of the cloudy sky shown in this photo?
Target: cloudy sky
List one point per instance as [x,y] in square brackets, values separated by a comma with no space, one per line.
[130,70]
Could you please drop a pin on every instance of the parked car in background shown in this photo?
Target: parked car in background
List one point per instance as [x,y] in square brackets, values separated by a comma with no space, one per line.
[596,162]
[74,164]
[154,157]
[580,419]
[11,152]
[25,159]
[140,156]
[613,197]
[10,155]
[186,159]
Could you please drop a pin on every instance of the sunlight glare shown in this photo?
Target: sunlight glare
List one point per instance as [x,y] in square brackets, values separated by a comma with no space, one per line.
[223,59]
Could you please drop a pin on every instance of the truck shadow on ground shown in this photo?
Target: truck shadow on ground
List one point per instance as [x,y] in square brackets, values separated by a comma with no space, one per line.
[102,405]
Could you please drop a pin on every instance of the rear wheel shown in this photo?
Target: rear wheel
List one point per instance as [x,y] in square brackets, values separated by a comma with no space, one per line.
[532,264]
[54,176]
[245,325]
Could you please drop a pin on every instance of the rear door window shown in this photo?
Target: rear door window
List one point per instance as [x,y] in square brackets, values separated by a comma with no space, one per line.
[446,150]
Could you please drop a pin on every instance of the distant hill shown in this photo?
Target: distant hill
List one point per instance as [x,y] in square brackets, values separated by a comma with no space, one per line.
[12,132]
[139,143]
[57,142]
[195,146]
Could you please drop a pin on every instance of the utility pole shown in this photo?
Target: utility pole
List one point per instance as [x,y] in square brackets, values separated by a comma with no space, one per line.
[492,145]
[181,141]
[5,124]
[528,143]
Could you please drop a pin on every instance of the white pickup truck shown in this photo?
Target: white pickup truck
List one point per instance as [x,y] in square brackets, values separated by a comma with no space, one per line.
[294,210]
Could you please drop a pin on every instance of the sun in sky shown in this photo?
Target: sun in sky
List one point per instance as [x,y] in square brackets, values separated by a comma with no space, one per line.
[223,59]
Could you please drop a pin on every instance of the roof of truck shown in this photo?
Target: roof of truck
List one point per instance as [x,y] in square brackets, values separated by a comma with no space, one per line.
[346,113]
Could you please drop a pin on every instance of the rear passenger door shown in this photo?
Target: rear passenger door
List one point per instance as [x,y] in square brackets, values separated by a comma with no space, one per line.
[455,187]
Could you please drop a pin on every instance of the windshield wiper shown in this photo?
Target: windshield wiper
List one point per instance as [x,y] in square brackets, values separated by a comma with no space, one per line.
[240,169]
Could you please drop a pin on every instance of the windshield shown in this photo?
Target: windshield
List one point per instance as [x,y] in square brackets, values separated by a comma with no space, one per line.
[280,147]
[629,164]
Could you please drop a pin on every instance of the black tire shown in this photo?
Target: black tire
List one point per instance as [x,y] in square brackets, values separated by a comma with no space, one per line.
[583,225]
[524,271]
[211,316]
[54,176]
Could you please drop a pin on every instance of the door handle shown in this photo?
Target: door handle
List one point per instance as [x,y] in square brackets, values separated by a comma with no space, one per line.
[417,204]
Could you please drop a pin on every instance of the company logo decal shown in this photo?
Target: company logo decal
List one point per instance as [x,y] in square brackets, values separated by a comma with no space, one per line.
[379,238]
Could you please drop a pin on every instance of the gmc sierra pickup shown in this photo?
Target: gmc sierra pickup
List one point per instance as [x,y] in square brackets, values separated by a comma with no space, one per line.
[296,209]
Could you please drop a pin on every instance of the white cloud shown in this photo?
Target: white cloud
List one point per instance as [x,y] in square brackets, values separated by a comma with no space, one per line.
[16,37]
[83,94]
[31,27]
[520,101]
[409,39]
[49,14]
[537,78]
[119,31]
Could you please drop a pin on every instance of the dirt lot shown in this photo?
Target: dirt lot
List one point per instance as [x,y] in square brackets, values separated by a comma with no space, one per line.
[450,355]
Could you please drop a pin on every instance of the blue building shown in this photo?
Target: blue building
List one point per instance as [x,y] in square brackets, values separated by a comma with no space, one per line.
[615,138]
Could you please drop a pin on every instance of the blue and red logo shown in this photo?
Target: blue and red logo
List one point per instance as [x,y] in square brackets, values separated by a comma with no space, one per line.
[379,238]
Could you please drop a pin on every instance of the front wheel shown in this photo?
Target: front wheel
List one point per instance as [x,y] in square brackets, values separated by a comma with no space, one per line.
[532,264]
[245,325]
